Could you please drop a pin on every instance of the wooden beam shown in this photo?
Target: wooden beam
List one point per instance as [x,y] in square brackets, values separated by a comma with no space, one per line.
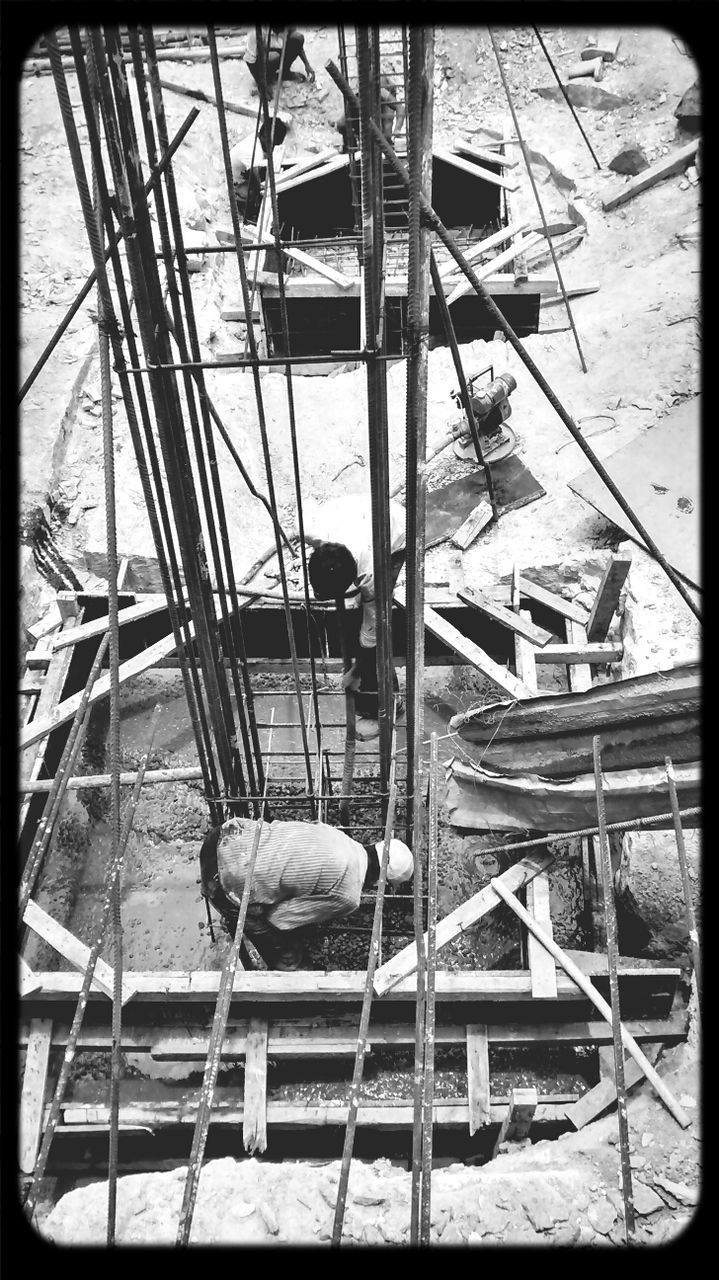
[495,179]
[73,950]
[304,164]
[542,969]
[468,650]
[577,291]
[524,664]
[52,688]
[483,246]
[604,1095]
[337,162]
[29,982]
[518,1118]
[73,635]
[476,521]
[676,162]
[34,1087]
[483,154]
[567,654]
[191,773]
[560,244]
[501,260]
[558,604]
[478,1077]
[497,612]
[307,260]
[607,597]
[404,963]
[40,728]
[579,674]
[254,1122]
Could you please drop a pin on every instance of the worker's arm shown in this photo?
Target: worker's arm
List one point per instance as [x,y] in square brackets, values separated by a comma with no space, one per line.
[305,60]
[399,118]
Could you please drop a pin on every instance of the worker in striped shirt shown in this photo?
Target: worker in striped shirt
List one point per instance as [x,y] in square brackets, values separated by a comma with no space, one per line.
[340,533]
[304,873]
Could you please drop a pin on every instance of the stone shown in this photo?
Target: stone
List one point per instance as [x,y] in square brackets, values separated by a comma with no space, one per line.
[680,1191]
[364,1198]
[630,160]
[452,1234]
[583,94]
[645,1198]
[269,1217]
[371,1234]
[602,1216]
[688,110]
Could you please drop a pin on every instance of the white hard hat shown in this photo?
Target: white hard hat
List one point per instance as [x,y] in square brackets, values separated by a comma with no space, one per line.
[401,862]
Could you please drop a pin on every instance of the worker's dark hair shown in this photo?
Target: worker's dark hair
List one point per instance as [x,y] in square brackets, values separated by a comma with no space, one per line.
[332,570]
[278,134]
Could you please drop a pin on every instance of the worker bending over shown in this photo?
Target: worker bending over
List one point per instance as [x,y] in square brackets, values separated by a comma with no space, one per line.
[304,873]
[249,161]
[341,534]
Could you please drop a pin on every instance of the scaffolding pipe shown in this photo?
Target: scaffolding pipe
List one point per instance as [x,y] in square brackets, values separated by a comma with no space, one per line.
[684,872]
[69,1055]
[528,164]
[219,1025]
[428,1081]
[610,915]
[114,242]
[503,324]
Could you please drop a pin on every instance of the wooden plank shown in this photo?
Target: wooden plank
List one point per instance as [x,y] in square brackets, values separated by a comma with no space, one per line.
[338,162]
[73,950]
[566,654]
[542,969]
[577,291]
[607,597]
[483,246]
[604,1095]
[560,244]
[317,1036]
[315,986]
[304,164]
[404,963]
[468,650]
[476,521]
[478,1076]
[676,162]
[497,612]
[307,260]
[29,982]
[518,1118]
[34,1087]
[483,154]
[558,604]
[524,664]
[254,1123]
[40,728]
[47,624]
[39,657]
[579,674]
[499,285]
[73,635]
[52,688]
[501,260]
[477,170]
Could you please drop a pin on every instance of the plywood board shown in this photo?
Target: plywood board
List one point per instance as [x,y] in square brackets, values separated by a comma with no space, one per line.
[449,506]
[658,474]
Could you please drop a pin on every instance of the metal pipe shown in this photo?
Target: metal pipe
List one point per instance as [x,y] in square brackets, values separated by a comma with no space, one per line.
[428,1073]
[565,95]
[259,399]
[114,242]
[684,872]
[629,824]
[610,915]
[450,243]
[361,1051]
[113,872]
[219,1025]
[251,362]
[527,162]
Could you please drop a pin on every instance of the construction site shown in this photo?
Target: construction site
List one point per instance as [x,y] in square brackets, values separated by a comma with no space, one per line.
[424,302]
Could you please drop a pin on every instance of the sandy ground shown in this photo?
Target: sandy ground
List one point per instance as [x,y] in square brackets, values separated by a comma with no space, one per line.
[640,365]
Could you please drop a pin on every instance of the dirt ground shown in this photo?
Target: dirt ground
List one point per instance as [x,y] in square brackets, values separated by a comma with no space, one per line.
[640,334]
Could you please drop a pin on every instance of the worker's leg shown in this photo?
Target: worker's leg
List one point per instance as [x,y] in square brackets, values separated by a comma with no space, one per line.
[292,51]
[254,70]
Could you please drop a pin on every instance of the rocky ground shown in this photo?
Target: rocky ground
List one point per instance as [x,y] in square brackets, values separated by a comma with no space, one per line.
[640,336]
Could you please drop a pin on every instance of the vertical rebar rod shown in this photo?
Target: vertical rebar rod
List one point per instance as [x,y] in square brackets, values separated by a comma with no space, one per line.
[245,708]
[610,915]
[156,343]
[528,164]
[373,237]
[684,872]
[419,126]
[465,397]
[565,95]
[259,400]
[428,1073]
[110,881]
[360,1053]
[480,289]
[219,1025]
[167,564]
[65,770]
[419,1026]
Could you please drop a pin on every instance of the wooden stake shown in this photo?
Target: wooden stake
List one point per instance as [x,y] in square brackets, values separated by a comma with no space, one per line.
[254,1122]
[518,1120]
[607,597]
[34,1087]
[478,1091]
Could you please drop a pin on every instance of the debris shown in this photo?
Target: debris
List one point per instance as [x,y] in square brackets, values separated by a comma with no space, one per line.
[584,68]
[602,1216]
[606,49]
[675,163]
[581,94]
[688,111]
[646,1199]
[630,160]
[680,1191]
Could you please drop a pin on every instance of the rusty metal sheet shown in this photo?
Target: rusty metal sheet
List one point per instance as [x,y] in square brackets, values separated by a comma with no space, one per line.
[449,506]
